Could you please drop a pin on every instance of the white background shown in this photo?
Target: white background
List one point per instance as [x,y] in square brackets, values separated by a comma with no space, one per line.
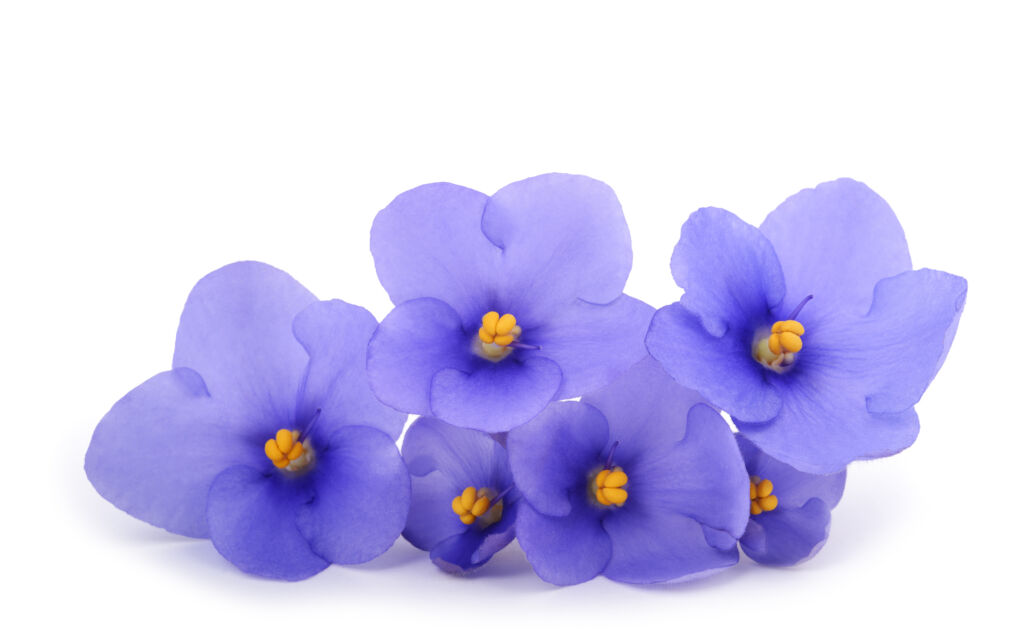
[143,145]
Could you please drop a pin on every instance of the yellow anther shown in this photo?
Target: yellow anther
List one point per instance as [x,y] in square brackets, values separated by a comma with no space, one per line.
[472,505]
[480,506]
[607,487]
[468,499]
[284,440]
[786,337]
[286,451]
[489,323]
[505,324]
[761,498]
[496,334]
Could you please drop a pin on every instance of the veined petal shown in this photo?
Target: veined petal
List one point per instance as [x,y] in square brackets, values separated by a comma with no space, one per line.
[728,269]
[721,369]
[659,546]
[236,332]
[702,476]
[156,452]
[836,241]
[495,397]
[252,518]
[562,237]
[553,454]
[784,537]
[428,243]
[418,339]
[564,550]
[361,496]
[592,344]
[335,335]
[851,394]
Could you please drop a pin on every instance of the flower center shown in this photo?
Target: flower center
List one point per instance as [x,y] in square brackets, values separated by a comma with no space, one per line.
[475,506]
[287,452]
[776,349]
[761,498]
[607,487]
[495,337]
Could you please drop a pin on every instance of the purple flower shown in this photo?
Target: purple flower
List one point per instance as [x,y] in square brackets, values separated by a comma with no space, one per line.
[790,511]
[840,383]
[463,502]
[264,436]
[639,482]
[503,303]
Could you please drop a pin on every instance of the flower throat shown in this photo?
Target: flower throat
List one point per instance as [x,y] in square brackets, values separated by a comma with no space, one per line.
[776,349]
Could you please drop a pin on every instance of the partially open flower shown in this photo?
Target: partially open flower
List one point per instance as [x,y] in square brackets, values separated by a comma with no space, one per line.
[464,504]
[264,436]
[790,511]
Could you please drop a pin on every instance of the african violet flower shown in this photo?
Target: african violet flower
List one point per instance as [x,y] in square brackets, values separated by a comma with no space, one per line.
[504,303]
[816,383]
[264,436]
[464,505]
[640,482]
[790,511]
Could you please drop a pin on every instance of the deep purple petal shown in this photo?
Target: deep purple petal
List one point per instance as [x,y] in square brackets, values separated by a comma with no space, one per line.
[361,496]
[851,393]
[702,476]
[658,546]
[564,550]
[495,397]
[473,548]
[563,237]
[443,460]
[721,369]
[592,344]
[335,334]
[552,456]
[414,342]
[728,269]
[836,241]
[792,487]
[252,518]
[236,332]
[501,534]
[156,452]
[429,243]
[783,537]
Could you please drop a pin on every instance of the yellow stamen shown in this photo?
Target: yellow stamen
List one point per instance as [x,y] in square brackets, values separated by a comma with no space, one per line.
[496,334]
[607,487]
[474,507]
[761,498]
[777,350]
[286,451]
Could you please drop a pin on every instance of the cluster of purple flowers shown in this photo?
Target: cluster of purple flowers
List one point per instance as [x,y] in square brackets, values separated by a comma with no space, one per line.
[553,408]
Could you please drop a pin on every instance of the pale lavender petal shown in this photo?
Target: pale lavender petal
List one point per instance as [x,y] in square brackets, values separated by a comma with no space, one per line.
[236,332]
[156,452]
[836,241]
[592,344]
[335,334]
